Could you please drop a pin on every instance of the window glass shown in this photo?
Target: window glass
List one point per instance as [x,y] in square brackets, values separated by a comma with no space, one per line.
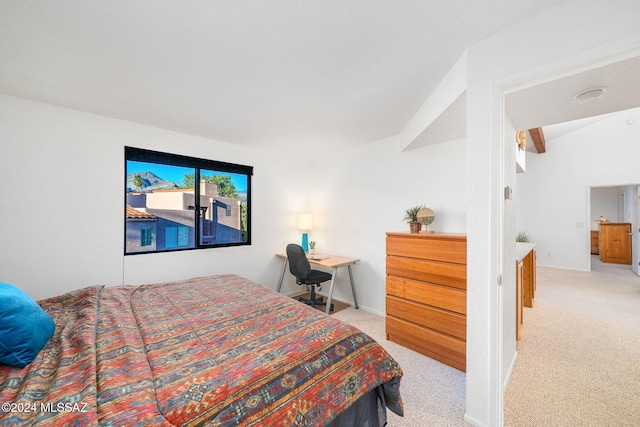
[224,207]
[146,237]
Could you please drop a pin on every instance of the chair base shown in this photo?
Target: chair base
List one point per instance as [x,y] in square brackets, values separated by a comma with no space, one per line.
[314,300]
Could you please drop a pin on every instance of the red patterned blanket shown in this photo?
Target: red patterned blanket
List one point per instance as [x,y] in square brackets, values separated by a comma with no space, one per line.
[214,351]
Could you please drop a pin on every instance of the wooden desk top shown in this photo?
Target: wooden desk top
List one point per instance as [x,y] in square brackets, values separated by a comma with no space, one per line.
[325,260]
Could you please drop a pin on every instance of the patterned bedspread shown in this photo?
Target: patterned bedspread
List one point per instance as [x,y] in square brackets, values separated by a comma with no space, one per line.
[214,351]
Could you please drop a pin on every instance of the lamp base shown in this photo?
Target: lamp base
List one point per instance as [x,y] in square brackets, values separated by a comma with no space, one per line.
[305,242]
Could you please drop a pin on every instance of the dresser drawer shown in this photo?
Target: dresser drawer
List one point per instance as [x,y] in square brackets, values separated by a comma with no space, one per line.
[437,248]
[451,299]
[438,346]
[439,320]
[441,273]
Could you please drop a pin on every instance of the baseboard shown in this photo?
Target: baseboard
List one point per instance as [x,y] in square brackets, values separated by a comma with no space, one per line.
[360,306]
[372,311]
[473,421]
[510,371]
[538,264]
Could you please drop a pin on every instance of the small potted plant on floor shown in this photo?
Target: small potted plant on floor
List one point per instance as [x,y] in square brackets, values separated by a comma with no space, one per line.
[411,216]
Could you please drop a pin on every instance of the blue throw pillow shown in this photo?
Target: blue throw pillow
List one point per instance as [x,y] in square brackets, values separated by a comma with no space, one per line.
[24,327]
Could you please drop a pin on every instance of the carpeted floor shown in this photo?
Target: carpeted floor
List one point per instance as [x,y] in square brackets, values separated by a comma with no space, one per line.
[578,359]
[432,392]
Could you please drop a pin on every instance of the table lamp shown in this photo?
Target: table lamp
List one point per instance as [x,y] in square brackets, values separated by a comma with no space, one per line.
[305,223]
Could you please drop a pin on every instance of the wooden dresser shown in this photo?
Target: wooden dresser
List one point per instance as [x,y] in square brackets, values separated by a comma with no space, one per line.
[615,242]
[427,296]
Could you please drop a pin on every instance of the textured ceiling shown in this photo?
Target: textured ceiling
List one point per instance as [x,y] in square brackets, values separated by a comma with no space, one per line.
[278,74]
[554,102]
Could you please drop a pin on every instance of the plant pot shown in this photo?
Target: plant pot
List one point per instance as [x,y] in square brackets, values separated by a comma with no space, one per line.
[415,227]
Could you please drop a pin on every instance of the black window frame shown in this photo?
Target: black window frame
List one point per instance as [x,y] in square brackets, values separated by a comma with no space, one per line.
[198,164]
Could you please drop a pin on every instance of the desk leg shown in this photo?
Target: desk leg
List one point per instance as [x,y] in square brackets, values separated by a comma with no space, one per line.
[353,288]
[284,268]
[333,282]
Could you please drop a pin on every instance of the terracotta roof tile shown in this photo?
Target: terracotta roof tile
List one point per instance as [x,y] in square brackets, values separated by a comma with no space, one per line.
[133,213]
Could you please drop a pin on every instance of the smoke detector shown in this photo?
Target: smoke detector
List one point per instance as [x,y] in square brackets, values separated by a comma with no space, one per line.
[589,95]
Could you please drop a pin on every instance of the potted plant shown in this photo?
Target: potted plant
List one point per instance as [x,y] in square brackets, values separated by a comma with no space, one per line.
[312,247]
[411,216]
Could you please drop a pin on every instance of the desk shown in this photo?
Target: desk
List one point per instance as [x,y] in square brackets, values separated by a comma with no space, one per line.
[329,261]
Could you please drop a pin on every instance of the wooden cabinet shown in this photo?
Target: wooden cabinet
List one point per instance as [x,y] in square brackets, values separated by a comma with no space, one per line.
[525,281]
[595,242]
[426,294]
[615,242]
[529,278]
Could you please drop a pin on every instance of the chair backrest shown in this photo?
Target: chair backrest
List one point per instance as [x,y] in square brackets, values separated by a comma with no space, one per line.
[298,263]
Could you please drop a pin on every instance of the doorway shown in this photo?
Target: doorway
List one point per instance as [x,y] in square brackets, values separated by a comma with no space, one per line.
[617,203]
[554,200]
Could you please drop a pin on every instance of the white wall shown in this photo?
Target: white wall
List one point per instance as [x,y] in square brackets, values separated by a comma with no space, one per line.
[361,194]
[553,204]
[61,203]
[629,204]
[605,201]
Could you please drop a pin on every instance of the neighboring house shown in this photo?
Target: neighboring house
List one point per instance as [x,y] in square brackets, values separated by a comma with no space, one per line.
[173,213]
[223,221]
[141,230]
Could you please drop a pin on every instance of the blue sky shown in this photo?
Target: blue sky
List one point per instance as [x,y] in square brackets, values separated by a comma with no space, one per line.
[177,173]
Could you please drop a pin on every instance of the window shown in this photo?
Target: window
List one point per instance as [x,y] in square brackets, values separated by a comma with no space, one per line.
[177,237]
[146,236]
[160,193]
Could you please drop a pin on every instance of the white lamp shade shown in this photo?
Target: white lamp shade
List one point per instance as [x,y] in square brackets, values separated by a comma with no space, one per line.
[305,222]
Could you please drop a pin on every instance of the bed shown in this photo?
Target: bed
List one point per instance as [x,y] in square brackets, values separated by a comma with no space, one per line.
[210,351]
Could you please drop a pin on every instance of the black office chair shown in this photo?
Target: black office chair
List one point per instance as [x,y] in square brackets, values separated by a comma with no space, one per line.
[299,266]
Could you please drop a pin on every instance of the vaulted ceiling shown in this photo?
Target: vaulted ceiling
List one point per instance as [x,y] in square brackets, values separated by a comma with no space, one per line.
[553,106]
[276,74]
